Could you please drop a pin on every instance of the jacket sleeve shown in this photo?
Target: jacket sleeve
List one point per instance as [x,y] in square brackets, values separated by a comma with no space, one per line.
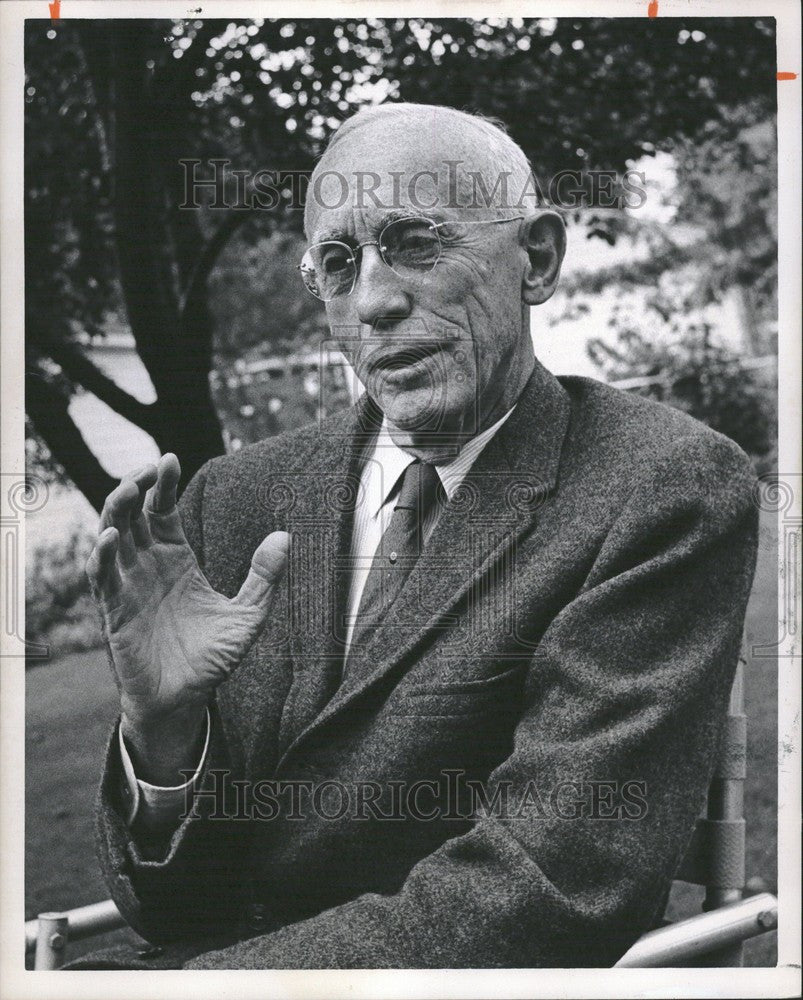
[177,881]
[626,693]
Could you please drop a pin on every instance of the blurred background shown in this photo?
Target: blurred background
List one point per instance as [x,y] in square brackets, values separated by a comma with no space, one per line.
[152,327]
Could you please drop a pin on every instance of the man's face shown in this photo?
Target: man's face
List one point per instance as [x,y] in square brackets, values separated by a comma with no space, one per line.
[433,348]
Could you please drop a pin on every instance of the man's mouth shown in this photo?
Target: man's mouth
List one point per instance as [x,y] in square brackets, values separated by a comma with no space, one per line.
[411,358]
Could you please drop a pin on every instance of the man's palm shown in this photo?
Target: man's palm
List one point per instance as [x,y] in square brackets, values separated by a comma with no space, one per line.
[172,638]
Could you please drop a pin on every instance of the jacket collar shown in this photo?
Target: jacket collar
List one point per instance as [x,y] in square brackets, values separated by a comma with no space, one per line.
[388,462]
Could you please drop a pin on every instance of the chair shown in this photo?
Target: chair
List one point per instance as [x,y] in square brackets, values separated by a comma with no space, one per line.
[715,860]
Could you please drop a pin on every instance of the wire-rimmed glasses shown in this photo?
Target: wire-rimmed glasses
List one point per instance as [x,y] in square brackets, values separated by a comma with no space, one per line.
[408,246]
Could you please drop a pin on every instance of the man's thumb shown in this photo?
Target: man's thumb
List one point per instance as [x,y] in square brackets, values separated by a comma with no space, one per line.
[267,568]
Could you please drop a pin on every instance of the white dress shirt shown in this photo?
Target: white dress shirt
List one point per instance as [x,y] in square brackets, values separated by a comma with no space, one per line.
[374,510]
[154,804]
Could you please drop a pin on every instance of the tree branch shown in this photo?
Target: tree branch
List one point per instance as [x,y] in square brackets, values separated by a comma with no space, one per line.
[209,255]
[47,409]
[80,369]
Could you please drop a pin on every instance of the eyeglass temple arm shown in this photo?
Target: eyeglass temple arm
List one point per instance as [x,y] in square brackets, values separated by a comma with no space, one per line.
[477,222]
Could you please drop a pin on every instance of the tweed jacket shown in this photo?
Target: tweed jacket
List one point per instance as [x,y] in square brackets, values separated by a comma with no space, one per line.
[562,654]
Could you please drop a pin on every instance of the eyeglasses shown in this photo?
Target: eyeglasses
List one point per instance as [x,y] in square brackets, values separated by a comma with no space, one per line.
[408,246]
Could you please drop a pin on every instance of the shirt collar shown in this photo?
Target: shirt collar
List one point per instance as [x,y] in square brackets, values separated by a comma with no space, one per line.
[387,462]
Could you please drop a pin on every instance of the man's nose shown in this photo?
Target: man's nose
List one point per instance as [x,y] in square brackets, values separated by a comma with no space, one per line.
[379,294]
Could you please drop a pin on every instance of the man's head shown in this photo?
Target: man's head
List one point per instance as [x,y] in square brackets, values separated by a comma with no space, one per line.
[448,346]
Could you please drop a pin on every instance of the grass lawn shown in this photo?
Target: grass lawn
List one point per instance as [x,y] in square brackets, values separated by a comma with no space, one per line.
[71,705]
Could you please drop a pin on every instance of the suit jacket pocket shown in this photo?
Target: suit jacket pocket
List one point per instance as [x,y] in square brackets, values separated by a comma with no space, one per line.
[498,693]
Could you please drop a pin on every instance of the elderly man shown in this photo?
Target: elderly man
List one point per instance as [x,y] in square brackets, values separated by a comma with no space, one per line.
[438,682]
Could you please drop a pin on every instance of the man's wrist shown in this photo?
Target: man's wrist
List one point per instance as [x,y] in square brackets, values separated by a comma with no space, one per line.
[163,750]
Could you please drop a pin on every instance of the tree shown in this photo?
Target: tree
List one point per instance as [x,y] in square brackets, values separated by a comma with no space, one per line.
[100,232]
[726,198]
[113,107]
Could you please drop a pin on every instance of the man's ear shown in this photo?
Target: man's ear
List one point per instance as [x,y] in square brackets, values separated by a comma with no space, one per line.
[544,239]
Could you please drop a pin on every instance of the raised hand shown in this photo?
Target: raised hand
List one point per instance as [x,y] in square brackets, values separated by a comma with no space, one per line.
[172,639]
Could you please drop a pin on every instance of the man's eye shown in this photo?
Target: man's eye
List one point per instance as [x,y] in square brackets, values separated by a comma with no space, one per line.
[335,260]
[417,241]
[411,244]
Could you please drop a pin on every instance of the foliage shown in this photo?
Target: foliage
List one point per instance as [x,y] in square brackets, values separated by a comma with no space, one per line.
[723,229]
[257,300]
[256,402]
[112,107]
[59,609]
[728,185]
[700,377]
[559,85]
[38,459]
[726,209]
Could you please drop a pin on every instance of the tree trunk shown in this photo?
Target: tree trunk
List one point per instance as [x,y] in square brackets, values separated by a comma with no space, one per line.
[175,348]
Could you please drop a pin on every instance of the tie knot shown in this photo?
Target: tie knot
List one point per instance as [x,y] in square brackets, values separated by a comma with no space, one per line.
[418,485]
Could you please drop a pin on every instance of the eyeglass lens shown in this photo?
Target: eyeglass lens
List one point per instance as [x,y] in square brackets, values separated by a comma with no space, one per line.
[329,269]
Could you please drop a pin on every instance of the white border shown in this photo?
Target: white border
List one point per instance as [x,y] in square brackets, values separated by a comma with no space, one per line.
[782,981]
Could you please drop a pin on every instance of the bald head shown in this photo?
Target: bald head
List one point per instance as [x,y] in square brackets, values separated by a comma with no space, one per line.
[421,157]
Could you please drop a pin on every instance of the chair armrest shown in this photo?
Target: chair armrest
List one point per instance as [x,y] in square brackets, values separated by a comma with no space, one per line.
[688,939]
[82,922]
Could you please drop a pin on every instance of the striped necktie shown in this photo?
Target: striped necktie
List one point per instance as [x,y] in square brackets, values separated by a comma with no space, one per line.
[396,554]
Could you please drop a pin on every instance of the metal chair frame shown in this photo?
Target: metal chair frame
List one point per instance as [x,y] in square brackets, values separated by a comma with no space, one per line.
[715,859]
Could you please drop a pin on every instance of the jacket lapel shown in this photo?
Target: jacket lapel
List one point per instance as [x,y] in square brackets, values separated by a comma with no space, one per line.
[494,507]
[322,500]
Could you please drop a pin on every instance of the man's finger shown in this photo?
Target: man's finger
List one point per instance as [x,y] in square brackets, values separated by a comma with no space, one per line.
[160,509]
[161,497]
[117,514]
[101,568]
[144,479]
[267,568]
[105,514]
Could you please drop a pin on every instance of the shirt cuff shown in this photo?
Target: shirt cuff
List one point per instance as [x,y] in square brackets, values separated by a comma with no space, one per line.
[157,805]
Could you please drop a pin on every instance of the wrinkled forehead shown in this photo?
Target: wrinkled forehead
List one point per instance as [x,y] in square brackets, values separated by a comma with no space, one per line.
[384,169]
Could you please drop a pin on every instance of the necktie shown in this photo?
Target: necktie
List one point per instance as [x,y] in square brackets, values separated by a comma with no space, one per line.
[396,554]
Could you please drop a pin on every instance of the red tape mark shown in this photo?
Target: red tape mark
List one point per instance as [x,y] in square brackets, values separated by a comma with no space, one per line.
[54,10]
[652,9]
[786,76]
